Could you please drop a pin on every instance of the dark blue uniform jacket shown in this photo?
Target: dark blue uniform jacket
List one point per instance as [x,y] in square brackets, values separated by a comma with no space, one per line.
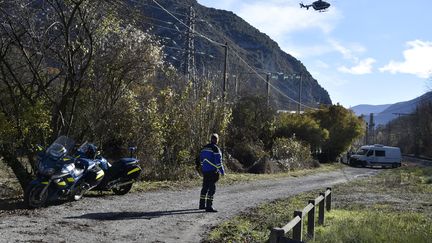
[211,159]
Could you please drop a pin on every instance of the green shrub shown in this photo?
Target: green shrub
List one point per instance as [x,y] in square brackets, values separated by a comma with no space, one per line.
[291,154]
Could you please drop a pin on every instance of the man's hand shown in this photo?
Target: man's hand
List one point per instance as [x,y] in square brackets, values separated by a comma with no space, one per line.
[198,169]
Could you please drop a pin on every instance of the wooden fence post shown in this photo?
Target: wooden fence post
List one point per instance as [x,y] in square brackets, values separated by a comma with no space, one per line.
[328,200]
[298,229]
[276,235]
[321,210]
[311,222]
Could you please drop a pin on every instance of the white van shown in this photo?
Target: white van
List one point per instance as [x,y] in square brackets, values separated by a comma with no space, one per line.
[371,155]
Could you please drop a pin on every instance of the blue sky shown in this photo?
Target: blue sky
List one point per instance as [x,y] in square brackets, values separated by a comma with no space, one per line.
[361,52]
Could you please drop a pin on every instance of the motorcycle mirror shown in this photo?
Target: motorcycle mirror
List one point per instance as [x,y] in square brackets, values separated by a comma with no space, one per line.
[132,150]
[39,148]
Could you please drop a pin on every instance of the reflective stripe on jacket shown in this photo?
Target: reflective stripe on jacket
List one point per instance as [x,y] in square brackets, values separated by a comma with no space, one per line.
[211,159]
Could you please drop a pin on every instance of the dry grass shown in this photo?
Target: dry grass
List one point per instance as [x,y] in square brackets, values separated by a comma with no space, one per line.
[395,206]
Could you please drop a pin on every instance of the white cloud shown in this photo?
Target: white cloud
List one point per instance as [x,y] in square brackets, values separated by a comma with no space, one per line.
[363,67]
[322,64]
[328,80]
[349,52]
[418,60]
[279,18]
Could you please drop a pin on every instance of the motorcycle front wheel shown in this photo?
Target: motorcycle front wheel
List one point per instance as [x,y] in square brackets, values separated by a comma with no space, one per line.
[79,191]
[35,196]
[123,189]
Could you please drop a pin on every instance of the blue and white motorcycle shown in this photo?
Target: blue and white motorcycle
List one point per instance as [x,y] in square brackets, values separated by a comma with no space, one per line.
[120,176]
[61,176]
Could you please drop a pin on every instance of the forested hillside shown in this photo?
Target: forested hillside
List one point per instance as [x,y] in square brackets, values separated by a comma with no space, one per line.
[243,40]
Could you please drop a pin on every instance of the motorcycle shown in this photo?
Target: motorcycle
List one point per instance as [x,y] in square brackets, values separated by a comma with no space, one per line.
[61,176]
[119,176]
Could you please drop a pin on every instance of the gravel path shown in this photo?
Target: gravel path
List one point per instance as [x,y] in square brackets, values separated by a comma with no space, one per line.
[162,216]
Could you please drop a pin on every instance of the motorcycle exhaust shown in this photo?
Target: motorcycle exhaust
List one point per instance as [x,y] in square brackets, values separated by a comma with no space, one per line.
[122,184]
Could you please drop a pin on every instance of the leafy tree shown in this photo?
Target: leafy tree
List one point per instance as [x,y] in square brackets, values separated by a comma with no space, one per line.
[291,153]
[303,127]
[178,123]
[251,129]
[343,127]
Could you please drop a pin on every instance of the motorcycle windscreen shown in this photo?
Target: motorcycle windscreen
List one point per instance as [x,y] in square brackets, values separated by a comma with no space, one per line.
[64,141]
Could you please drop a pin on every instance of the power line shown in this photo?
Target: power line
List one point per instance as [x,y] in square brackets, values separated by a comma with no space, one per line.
[184,50]
[159,20]
[199,34]
[235,48]
[164,27]
[272,86]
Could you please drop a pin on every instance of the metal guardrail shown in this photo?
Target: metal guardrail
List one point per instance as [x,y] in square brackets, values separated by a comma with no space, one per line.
[277,235]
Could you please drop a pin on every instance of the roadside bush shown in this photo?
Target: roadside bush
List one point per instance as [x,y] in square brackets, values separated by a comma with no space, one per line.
[247,153]
[232,165]
[265,165]
[250,132]
[303,127]
[292,154]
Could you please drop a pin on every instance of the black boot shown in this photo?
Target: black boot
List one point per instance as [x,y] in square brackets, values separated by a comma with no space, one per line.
[202,202]
[209,206]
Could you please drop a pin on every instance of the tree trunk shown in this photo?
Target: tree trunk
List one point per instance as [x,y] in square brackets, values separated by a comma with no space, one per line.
[21,173]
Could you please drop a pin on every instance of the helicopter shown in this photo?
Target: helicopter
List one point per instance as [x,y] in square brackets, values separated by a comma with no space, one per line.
[317,5]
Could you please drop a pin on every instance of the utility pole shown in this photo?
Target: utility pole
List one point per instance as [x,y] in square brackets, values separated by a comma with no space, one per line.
[300,91]
[371,128]
[366,141]
[268,88]
[189,62]
[225,75]
[389,131]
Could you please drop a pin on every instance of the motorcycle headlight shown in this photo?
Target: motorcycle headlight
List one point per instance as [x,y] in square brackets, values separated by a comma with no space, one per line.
[66,169]
[46,170]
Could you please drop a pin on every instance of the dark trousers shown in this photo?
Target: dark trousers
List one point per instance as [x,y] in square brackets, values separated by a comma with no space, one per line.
[208,188]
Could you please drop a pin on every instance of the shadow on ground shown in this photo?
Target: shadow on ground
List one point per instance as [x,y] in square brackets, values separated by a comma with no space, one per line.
[11,204]
[135,215]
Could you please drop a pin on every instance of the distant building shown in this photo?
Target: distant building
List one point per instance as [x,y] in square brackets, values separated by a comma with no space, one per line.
[289,111]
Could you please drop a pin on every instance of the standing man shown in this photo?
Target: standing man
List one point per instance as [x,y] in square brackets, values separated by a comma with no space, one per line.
[210,164]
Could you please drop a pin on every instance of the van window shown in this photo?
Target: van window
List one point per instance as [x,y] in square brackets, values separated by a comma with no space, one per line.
[370,153]
[380,153]
[361,151]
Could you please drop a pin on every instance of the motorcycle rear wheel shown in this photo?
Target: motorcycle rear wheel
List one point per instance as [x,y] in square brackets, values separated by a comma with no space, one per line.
[33,196]
[123,189]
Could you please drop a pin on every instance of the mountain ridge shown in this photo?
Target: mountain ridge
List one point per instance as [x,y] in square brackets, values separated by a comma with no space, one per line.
[391,111]
[244,40]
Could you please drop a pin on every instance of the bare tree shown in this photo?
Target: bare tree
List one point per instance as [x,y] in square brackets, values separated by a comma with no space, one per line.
[46,50]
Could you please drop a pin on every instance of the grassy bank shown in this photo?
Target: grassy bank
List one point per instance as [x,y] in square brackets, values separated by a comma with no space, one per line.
[395,206]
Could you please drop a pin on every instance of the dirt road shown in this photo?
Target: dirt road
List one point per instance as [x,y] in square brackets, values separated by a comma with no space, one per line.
[163,216]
